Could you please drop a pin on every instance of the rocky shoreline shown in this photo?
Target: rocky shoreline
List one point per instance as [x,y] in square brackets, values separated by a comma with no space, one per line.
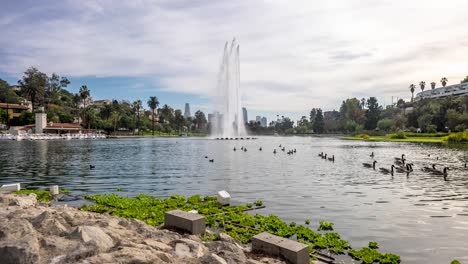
[32,232]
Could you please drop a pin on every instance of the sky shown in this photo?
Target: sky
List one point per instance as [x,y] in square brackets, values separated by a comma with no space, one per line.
[294,55]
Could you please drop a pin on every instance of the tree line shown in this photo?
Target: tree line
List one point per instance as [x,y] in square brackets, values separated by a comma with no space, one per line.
[63,106]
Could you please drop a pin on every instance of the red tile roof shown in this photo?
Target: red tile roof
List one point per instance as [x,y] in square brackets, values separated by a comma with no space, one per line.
[52,125]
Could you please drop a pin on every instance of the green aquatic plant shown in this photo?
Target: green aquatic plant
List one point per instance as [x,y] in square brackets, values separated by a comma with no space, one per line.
[399,135]
[455,262]
[41,195]
[206,237]
[325,226]
[240,225]
[460,137]
[258,203]
[119,189]
[368,256]
[307,221]
[373,245]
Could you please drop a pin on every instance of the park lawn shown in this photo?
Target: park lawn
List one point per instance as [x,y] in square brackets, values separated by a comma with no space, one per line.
[388,139]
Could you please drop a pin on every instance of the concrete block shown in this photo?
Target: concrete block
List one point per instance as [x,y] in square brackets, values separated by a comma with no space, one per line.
[7,188]
[190,222]
[54,189]
[292,251]
[223,197]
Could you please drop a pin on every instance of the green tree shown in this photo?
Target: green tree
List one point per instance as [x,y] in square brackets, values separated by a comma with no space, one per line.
[412,87]
[88,115]
[312,115]
[200,120]
[26,118]
[33,85]
[84,94]
[153,104]
[318,122]
[178,120]
[444,81]
[373,113]
[167,114]
[54,85]
[433,84]
[385,124]
[7,95]
[137,105]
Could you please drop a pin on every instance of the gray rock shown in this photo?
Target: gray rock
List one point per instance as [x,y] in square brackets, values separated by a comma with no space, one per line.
[18,242]
[50,224]
[228,251]
[213,259]
[94,235]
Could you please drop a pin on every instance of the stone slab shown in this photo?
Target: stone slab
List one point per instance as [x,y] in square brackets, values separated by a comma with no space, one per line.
[292,251]
[7,188]
[189,222]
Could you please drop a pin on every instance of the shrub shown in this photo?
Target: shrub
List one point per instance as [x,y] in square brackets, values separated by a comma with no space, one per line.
[385,124]
[363,136]
[460,128]
[399,135]
[431,128]
[460,137]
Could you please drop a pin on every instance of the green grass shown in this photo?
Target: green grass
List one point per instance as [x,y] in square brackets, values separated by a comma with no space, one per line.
[173,134]
[460,137]
[240,225]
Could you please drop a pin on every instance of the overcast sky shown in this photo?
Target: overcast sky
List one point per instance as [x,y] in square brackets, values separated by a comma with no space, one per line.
[295,55]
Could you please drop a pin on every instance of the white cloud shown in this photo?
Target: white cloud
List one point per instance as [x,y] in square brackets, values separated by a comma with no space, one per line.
[295,55]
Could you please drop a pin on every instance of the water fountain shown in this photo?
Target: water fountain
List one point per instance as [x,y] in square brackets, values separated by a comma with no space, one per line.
[228,120]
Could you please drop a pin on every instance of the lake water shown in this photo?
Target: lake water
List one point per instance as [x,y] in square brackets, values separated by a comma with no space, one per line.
[420,217]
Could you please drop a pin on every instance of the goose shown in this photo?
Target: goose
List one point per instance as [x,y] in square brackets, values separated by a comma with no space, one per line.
[295,152]
[402,157]
[332,158]
[400,162]
[274,151]
[429,169]
[206,157]
[242,148]
[368,165]
[279,146]
[320,154]
[245,149]
[211,160]
[92,166]
[234,149]
[387,171]
[403,170]
[324,156]
[260,149]
[283,149]
[372,154]
[438,172]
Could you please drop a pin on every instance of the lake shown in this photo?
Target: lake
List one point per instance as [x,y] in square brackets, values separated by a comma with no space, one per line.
[421,217]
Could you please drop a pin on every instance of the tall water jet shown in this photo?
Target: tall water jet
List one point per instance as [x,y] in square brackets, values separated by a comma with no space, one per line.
[228,119]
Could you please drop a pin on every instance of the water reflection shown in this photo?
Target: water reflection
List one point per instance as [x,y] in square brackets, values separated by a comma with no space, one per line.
[419,216]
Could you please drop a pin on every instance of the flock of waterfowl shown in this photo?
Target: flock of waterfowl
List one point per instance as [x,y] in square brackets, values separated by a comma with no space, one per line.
[402,166]
[324,156]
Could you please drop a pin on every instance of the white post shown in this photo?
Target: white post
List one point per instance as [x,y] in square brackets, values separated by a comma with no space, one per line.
[54,189]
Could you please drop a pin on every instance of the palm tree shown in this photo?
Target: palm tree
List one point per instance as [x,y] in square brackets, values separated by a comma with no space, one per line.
[422,84]
[137,106]
[84,94]
[412,87]
[153,104]
[444,81]
[363,103]
[433,84]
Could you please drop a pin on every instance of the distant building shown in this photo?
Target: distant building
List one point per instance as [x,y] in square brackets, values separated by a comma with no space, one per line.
[441,92]
[102,102]
[14,111]
[258,119]
[42,126]
[244,115]
[264,122]
[187,110]
[15,88]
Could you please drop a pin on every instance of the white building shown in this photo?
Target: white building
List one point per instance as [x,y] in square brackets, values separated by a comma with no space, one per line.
[441,92]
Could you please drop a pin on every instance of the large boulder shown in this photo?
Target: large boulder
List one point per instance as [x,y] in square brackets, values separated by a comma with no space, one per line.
[50,223]
[232,253]
[189,248]
[93,235]
[18,242]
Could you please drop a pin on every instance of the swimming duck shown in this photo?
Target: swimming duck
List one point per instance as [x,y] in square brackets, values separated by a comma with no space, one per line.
[211,160]
[92,166]
[274,151]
